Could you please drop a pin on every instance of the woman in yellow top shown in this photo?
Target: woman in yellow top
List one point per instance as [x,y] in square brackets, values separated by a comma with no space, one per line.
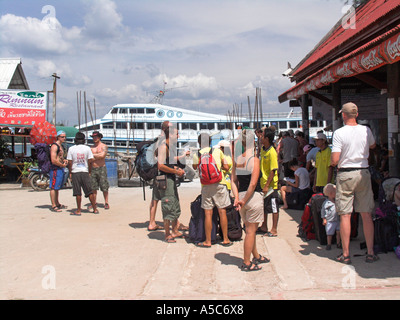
[324,170]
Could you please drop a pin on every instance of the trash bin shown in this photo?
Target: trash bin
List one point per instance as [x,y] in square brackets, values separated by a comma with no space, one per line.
[112,172]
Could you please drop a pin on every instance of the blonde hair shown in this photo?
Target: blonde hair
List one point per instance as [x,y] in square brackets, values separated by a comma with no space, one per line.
[329,188]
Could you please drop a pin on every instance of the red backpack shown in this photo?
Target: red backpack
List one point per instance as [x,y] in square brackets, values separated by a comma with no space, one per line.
[208,170]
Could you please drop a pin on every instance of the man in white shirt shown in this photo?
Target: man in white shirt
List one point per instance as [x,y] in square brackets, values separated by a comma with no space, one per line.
[80,159]
[350,152]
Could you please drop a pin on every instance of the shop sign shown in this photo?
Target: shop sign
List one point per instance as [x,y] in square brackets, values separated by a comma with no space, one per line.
[22,107]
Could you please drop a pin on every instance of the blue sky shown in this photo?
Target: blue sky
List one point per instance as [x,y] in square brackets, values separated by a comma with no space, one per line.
[215,53]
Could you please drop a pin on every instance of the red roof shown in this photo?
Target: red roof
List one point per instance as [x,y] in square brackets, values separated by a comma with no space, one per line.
[366,16]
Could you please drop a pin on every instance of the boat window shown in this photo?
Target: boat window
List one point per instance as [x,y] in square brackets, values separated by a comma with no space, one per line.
[153,125]
[137,125]
[136,110]
[123,110]
[108,125]
[294,124]
[114,110]
[313,123]
[222,126]
[150,110]
[209,126]
[192,126]
[121,125]
[282,125]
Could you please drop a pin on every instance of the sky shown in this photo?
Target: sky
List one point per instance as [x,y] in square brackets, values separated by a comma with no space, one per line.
[212,54]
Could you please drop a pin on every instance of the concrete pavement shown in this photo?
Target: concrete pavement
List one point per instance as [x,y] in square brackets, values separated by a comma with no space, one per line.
[45,255]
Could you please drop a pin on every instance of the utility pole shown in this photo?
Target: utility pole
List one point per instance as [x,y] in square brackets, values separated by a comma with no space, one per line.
[54,96]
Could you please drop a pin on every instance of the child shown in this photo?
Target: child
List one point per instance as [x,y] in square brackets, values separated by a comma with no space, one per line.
[329,215]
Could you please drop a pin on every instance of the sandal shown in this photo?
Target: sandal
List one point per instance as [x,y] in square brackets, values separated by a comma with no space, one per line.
[342,259]
[250,267]
[170,240]
[260,260]
[55,209]
[61,206]
[371,258]
[106,206]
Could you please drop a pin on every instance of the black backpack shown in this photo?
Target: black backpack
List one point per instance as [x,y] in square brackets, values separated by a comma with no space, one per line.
[146,161]
[196,224]
[235,229]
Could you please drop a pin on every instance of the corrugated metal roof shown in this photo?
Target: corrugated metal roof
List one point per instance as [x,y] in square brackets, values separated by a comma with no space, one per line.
[11,74]
[365,17]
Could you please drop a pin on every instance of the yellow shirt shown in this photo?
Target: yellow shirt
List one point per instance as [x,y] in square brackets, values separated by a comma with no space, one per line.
[269,162]
[218,156]
[322,163]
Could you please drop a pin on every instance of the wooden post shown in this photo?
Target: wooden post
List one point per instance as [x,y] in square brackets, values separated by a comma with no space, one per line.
[305,116]
[393,106]
[336,106]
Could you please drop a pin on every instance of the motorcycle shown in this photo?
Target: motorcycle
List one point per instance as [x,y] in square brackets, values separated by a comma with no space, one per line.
[40,181]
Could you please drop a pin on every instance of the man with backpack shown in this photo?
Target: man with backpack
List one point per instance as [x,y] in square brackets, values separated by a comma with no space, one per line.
[350,152]
[213,190]
[56,173]
[164,187]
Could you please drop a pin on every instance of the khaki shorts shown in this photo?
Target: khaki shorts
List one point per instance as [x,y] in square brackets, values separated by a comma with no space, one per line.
[253,210]
[354,191]
[215,195]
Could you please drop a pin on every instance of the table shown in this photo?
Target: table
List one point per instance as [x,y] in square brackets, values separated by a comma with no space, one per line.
[20,167]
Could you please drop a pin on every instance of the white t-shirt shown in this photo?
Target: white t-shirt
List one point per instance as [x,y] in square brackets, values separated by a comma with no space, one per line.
[353,143]
[79,154]
[304,178]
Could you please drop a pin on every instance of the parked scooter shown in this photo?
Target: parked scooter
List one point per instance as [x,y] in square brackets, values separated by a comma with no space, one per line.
[40,181]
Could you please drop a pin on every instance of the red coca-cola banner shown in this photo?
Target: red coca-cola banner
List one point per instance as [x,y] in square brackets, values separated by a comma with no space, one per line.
[359,61]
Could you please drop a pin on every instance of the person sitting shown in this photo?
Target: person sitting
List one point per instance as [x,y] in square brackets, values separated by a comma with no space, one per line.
[300,184]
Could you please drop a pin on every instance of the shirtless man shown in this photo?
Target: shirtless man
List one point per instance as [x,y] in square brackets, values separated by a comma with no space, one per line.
[58,163]
[98,176]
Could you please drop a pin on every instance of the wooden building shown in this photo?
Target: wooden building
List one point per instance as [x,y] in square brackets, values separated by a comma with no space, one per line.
[359,61]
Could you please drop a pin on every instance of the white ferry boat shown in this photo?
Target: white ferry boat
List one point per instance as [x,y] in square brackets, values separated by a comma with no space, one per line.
[126,124]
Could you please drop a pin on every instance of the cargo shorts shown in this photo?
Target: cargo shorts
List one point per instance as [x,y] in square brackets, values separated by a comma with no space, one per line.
[354,192]
[170,206]
[98,178]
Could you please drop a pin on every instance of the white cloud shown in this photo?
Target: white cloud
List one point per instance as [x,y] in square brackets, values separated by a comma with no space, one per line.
[32,35]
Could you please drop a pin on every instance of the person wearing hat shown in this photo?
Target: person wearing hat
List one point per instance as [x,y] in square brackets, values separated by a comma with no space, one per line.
[56,173]
[98,175]
[350,152]
[324,170]
[80,159]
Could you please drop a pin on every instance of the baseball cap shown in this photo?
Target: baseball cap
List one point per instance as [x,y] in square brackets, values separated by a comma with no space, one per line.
[59,133]
[321,136]
[223,143]
[349,108]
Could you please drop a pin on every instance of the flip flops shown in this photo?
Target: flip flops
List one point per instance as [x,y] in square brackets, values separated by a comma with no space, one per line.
[55,209]
[202,245]
[75,214]
[170,240]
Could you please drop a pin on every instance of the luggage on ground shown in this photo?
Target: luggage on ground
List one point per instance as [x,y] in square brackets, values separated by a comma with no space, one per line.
[196,225]
[235,230]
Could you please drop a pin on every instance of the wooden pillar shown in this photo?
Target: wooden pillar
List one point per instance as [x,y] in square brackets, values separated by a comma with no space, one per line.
[393,106]
[336,106]
[305,116]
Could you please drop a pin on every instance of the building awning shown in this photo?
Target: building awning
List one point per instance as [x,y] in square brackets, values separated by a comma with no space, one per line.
[381,51]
